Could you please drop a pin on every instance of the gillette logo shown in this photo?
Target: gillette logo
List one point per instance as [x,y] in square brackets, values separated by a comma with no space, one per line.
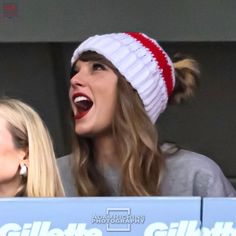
[43,228]
[182,228]
[189,228]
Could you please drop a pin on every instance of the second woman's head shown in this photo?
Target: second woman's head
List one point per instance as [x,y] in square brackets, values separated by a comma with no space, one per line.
[28,164]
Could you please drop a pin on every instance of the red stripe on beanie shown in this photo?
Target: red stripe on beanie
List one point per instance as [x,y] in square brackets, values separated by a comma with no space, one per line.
[160,57]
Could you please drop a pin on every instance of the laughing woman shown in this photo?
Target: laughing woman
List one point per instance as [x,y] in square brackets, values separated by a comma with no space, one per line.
[120,84]
[27,159]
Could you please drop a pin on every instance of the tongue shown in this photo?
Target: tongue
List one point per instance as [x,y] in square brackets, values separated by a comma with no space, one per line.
[84,105]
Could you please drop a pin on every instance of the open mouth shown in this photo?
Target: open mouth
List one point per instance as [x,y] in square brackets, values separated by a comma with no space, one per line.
[83,105]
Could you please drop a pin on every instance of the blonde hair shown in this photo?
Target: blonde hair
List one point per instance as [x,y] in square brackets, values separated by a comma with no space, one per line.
[30,133]
[186,74]
[136,138]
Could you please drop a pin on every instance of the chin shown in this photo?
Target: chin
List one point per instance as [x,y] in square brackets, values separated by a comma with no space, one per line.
[82,131]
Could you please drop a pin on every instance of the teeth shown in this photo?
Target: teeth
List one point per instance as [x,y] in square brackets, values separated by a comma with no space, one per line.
[80,98]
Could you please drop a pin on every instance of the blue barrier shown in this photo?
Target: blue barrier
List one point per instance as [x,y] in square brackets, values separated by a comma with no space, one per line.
[148,216]
[219,217]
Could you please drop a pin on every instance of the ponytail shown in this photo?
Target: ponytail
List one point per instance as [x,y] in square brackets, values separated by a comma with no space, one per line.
[186,74]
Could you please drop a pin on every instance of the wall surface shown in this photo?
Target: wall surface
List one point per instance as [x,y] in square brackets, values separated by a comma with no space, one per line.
[170,20]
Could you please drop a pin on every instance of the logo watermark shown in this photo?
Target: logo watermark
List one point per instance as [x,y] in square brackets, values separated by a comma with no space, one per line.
[118,219]
[8,9]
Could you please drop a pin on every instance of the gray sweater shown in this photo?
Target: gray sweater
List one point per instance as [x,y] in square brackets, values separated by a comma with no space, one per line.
[186,174]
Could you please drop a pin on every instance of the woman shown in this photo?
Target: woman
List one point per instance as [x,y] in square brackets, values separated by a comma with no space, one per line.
[120,83]
[27,159]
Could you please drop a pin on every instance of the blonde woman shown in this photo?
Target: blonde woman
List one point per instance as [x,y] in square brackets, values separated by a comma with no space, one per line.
[27,159]
[120,84]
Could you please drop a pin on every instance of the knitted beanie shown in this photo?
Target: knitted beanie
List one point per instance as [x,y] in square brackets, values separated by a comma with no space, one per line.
[141,60]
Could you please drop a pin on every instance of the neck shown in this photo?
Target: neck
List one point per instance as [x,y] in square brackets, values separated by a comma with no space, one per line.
[105,151]
[9,189]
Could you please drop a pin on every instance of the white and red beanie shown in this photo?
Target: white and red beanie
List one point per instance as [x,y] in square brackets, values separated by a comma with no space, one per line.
[141,60]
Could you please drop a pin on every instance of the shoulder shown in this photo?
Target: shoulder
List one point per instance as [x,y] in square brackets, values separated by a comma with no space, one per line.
[194,161]
[197,174]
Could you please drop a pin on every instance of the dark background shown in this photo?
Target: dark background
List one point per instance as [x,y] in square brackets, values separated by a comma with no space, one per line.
[38,37]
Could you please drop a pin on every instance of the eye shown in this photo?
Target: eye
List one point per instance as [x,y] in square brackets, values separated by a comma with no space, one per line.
[73,71]
[98,66]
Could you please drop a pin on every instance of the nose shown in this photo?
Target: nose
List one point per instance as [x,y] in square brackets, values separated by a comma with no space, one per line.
[74,81]
[79,79]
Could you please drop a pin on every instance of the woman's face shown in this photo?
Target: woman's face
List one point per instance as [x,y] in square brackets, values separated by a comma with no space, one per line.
[9,157]
[93,95]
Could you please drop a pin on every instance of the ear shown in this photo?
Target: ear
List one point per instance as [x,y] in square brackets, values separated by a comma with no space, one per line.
[26,162]
[24,157]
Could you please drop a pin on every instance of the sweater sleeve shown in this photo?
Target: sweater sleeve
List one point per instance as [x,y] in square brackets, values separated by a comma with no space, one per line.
[65,171]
